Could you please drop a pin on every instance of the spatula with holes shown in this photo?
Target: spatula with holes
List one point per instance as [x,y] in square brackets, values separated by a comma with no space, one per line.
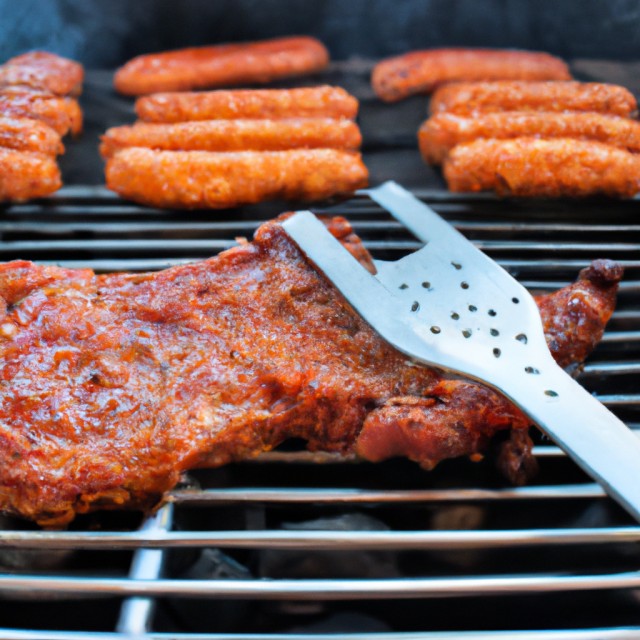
[450,306]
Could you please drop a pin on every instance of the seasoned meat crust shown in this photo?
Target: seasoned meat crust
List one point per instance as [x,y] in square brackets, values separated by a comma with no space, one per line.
[553,168]
[219,65]
[235,135]
[423,71]
[218,180]
[467,98]
[442,132]
[306,102]
[111,386]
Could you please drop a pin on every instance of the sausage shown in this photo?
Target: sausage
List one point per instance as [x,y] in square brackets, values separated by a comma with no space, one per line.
[205,179]
[25,134]
[312,102]
[561,167]
[45,71]
[62,114]
[236,135]
[443,131]
[479,97]
[25,175]
[423,71]
[221,65]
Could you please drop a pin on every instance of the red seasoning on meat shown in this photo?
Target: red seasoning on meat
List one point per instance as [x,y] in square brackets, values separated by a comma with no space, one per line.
[210,180]
[308,102]
[443,131]
[423,71]
[25,134]
[114,385]
[554,168]
[221,65]
[468,98]
[25,175]
[61,113]
[236,135]
[45,71]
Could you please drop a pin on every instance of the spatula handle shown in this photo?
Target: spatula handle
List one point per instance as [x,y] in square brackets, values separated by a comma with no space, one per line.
[601,444]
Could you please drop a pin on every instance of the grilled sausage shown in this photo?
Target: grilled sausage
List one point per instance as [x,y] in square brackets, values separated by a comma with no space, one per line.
[236,135]
[45,71]
[26,175]
[543,168]
[220,65]
[423,71]
[204,179]
[62,114]
[443,131]
[468,98]
[25,134]
[311,102]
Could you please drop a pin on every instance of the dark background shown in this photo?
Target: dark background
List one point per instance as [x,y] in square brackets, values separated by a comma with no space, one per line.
[105,33]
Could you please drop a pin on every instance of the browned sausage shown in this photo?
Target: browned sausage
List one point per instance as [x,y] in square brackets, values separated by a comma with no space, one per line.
[311,102]
[532,167]
[26,175]
[45,71]
[467,98]
[62,114]
[236,135]
[443,131]
[220,65]
[25,134]
[423,71]
[205,179]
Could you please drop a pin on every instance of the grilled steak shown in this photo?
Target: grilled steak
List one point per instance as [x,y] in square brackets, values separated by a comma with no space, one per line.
[111,386]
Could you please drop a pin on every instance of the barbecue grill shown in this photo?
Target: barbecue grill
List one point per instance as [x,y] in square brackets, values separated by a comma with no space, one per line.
[305,545]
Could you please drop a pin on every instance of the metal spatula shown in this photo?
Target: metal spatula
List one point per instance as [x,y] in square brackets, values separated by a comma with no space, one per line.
[450,306]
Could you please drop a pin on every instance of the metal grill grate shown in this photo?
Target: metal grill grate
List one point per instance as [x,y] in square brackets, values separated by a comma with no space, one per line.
[445,554]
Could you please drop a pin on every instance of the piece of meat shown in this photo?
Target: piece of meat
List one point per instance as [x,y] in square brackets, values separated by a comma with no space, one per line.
[420,72]
[308,102]
[221,65]
[111,386]
[210,180]
[62,114]
[45,71]
[443,131]
[236,135]
[553,168]
[25,175]
[468,98]
[25,134]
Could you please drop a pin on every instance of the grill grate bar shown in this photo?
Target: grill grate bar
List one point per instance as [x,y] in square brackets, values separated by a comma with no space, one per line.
[136,613]
[610,633]
[311,589]
[289,495]
[147,563]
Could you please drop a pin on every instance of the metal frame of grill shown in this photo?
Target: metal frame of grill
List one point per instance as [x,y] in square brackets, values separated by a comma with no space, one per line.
[543,244]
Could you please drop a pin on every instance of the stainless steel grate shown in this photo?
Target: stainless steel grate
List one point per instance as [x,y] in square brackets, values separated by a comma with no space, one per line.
[449,554]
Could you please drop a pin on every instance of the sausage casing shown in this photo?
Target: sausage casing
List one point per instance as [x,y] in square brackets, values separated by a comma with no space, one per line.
[308,102]
[467,98]
[62,114]
[25,134]
[220,65]
[423,71]
[45,71]
[205,179]
[236,135]
[532,167]
[25,175]
[443,131]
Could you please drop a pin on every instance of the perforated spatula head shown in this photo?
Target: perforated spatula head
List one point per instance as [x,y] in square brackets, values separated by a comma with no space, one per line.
[450,306]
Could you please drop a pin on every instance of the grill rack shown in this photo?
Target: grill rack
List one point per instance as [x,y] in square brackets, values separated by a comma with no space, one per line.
[542,244]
